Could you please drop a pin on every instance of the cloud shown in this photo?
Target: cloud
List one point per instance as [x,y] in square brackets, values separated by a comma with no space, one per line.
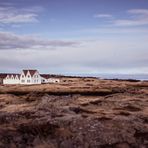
[139,11]
[112,54]
[13,15]
[103,16]
[138,17]
[135,17]
[93,57]
[11,41]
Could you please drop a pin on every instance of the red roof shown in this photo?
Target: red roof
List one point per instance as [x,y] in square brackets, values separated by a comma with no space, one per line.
[32,72]
[4,75]
[46,76]
[16,75]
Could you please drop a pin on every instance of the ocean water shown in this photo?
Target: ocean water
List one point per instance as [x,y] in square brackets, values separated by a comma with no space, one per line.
[141,77]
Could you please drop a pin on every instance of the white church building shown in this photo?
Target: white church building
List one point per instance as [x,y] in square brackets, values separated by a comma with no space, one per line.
[28,77]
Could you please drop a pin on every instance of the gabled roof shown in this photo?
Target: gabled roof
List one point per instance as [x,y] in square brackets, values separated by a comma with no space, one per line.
[46,76]
[13,74]
[31,71]
[16,75]
[3,75]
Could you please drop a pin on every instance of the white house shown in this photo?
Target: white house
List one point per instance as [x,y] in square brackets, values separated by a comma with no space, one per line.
[12,79]
[28,77]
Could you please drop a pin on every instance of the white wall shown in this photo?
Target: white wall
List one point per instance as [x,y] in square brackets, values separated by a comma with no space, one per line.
[35,79]
[53,80]
[23,78]
[50,80]
[11,80]
[43,80]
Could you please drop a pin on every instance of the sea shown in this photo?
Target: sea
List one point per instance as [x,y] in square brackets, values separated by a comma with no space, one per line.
[141,77]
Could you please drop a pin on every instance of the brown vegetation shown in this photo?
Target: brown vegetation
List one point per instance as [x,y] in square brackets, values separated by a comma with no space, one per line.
[78,112]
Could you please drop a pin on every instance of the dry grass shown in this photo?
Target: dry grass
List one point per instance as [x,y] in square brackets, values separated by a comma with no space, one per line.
[78,112]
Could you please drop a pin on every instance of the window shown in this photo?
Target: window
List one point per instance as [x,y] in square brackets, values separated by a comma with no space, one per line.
[23,81]
[28,81]
[22,76]
[36,76]
[28,76]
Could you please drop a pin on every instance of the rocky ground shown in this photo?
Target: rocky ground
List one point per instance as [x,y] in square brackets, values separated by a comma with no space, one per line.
[77,113]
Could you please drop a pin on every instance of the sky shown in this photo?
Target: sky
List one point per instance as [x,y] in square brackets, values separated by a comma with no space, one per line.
[74,36]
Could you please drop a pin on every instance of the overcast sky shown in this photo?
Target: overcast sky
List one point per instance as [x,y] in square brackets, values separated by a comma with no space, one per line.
[74,36]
